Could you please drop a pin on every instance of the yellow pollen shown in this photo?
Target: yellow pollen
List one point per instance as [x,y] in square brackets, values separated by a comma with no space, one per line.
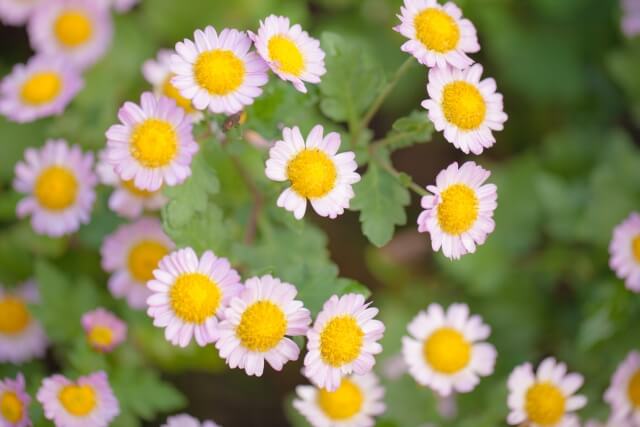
[447,351]
[14,315]
[544,404]
[463,105]
[131,188]
[312,173]
[343,403]
[154,143]
[144,258]
[286,54]
[79,400]
[341,341]
[634,389]
[73,28]
[195,297]
[437,30]
[219,71]
[100,337]
[458,210]
[11,407]
[262,326]
[635,248]
[170,91]
[41,88]
[56,188]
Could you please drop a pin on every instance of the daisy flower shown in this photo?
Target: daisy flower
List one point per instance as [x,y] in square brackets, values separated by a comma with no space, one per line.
[289,51]
[77,30]
[190,295]
[42,87]
[459,214]
[131,254]
[466,108]
[17,12]
[355,403]
[257,324]
[104,330]
[546,398]
[624,251]
[58,182]
[217,71]
[438,35]
[609,423]
[184,420]
[153,144]
[87,402]
[315,171]
[343,340]
[630,17]
[624,392]
[14,403]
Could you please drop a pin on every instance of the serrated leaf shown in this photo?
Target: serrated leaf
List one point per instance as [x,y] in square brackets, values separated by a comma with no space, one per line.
[412,129]
[205,230]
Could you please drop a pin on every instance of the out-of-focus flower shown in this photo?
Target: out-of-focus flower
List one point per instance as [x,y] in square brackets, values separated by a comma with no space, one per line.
[624,251]
[624,392]
[105,331]
[630,17]
[446,350]
[609,423]
[217,71]
[190,295]
[59,183]
[315,171]
[184,420]
[290,52]
[343,340]
[119,5]
[14,403]
[17,12]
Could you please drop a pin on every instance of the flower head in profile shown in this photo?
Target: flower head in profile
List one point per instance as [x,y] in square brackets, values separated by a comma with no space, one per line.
[87,402]
[42,87]
[343,340]
[104,330]
[217,71]
[190,294]
[17,12]
[545,398]
[623,393]
[438,35]
[446,350]
[624,251]
[290,52]
[355,403]
[185,420]
[459,214]
[315,170]
[14,403]
[258,323]
[153,145]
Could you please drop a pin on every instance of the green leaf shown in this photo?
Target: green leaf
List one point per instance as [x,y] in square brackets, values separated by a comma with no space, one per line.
[205,230]
[412,129]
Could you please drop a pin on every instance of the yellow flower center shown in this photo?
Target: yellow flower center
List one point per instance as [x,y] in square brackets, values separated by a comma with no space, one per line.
[343,403]
[341,341]
[73,28]
[144,258]
[100,336]
[312,173]
[284,51]
[56,188]
[195,297]
[170,91]
[463,105]
[11,407]
[634,389]
[458,210]
[635,248]
[447,351]
[219,71]
[14,315]
[262,326]
[154,143]
[41,88]
[437,30]
[544,404]
[131,188]
[78,400]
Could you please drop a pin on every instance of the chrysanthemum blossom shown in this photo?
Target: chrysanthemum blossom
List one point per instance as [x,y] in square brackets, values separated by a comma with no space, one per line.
[545,398]
[438,35]
[14,403]
[466,108]
[87,402]
[104,330]
[355,403]
[315,171]
[79,31]
[258,323]
[624,251]
[459,214]
[217,71]
[130,254]
[290,52]
[185,420]
[17,12]
[446,351]
[58,182]
[153,145]
[623,393]
[42,87]
[190,295]
[343,340]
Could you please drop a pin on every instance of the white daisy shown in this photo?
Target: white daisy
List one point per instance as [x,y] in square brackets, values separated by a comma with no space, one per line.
[185,420]
[624,251]
[624,392]
[17,12]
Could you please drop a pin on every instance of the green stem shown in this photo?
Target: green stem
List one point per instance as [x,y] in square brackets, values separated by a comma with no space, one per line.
[388,140]
[403,178]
